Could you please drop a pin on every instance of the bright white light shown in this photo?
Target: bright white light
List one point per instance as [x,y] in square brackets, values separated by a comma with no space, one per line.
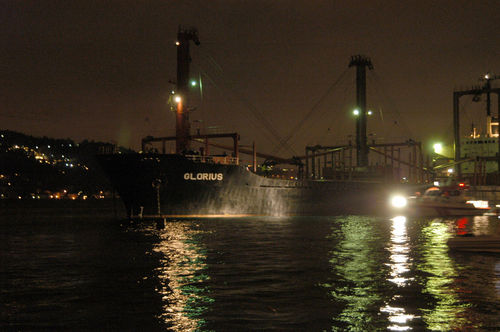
[178,99]
[370,112]
[479,204]
[398,201]
[355,112]
[487,76]
[438,148]
[436,183]
[450,170]
[177,43]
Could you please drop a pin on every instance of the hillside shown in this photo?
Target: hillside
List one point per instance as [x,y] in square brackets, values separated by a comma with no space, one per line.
[48,168]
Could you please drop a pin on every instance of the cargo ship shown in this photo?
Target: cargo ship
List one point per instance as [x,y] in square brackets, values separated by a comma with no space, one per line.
[178,185]
[184,184]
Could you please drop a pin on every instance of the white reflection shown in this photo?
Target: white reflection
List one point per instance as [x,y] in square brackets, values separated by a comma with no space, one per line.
[399,251]
[400,265]
[480,225]
[397,316]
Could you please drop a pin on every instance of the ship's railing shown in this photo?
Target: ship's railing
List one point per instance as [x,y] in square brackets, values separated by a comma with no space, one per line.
[223,160]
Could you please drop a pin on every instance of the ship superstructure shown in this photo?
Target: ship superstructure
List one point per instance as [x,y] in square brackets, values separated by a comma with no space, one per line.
[481,150]
[477,154]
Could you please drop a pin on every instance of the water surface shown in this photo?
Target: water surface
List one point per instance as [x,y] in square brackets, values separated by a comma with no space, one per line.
[78,267]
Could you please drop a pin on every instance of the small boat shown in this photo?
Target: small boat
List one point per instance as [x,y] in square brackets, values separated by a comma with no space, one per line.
[440,201]
[471,243]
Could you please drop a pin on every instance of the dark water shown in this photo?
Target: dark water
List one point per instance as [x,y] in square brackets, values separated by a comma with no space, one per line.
[75,267]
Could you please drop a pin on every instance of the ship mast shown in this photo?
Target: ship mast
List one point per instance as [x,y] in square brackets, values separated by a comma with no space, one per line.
[361,62]
[182,125]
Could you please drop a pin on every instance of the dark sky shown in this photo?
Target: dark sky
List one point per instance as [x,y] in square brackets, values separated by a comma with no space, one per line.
[101,69]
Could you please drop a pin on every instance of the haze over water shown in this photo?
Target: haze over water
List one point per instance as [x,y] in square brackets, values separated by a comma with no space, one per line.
[77,267]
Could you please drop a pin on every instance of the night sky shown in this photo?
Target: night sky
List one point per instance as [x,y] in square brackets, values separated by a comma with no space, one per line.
[270,70]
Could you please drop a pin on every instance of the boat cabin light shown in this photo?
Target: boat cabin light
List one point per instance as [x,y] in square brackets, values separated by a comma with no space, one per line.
[398,201]
[479,204]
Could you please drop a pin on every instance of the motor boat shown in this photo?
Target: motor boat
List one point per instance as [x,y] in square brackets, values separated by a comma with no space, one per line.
[440,201]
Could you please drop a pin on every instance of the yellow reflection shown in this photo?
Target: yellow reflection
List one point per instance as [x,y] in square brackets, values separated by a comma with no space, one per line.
[400,265]
[182,276]
[355,262]
[447,313]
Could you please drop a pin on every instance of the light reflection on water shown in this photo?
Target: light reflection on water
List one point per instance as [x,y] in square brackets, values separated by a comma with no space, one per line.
[182,276]
[355,266]
[385,274]
[399,249]
[480,225]
[400,265]
[354,273]
[430,289]
[447,313]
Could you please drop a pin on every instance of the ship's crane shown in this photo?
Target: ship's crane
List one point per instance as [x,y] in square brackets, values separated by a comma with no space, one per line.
[486,89]
[488,77]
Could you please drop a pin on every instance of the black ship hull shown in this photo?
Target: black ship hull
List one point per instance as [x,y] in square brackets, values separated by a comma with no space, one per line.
[173,185]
